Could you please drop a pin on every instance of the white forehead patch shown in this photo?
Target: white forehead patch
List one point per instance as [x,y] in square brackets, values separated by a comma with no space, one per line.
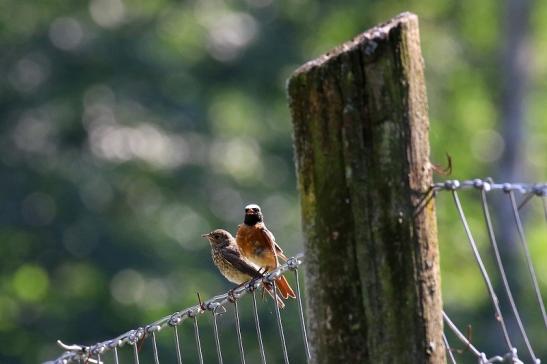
[252,206]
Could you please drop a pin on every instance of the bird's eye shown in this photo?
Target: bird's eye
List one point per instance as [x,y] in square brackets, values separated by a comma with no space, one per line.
[255,209]
[217,236]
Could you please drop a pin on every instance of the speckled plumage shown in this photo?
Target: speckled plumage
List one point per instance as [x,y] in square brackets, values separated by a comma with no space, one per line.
[227,257]
[231,263]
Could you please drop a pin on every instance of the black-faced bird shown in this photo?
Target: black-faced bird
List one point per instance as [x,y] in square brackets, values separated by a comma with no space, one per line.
[257,244]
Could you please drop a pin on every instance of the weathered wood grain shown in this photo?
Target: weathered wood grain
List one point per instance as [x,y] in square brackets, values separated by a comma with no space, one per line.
[362,159]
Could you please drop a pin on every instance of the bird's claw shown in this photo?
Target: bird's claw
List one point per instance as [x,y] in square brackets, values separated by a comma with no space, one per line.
[231,296]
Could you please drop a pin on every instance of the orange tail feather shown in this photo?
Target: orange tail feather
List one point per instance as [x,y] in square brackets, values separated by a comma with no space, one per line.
[278,299]
[284,288]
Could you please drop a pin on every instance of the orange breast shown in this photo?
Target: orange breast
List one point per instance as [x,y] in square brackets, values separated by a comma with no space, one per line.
[255,247]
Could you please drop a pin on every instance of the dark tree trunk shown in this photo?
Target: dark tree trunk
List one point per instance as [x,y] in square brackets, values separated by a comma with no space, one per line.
[512,165]
[514,75]
[362,159]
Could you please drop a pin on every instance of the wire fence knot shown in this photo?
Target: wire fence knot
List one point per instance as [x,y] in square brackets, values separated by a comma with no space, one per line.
[452,184]
[175,319]
[293,263]
[135,335]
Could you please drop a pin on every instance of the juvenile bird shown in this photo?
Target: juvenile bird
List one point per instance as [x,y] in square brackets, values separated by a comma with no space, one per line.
[231,263]
[258,245]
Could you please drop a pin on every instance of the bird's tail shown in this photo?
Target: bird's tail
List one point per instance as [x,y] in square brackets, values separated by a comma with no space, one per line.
[284,288]
[275,296]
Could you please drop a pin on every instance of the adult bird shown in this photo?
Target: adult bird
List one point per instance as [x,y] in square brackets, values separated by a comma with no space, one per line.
[231,263]
[258,245]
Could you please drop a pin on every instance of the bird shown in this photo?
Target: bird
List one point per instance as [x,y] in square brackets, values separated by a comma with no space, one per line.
[258,245]
[232,264]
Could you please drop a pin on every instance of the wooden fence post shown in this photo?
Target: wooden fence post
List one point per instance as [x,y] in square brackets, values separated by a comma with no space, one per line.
[362,158]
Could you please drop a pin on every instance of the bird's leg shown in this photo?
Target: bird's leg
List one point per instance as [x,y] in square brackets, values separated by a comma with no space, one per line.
[231,293]
[140,343]
[267,285]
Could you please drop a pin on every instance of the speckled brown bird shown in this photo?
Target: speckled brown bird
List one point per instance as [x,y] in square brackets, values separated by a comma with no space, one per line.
[258,245]
[231,263]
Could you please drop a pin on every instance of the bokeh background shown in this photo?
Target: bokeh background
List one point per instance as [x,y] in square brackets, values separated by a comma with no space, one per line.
[130,127]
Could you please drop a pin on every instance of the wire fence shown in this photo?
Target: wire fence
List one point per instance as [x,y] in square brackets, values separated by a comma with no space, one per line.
[107,351]
[527,192]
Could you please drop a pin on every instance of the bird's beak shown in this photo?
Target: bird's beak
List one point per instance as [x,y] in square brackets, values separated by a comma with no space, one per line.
[206,235]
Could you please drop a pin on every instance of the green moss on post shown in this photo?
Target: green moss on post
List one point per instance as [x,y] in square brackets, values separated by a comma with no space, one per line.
[362,159]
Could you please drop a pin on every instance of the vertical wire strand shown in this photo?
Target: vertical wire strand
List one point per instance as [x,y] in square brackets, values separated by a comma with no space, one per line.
[544,199]
[461,336]
[482,268]
[99,359]
[116,359]
[135,354]
[301,315]
[238,330]
[258,332]
[499,263]
[177,344]
[217,339]
[198,341]
[155,348]
[524,244]
[280,326]
[449,350]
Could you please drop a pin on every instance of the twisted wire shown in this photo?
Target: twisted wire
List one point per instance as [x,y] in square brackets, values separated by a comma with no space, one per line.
[538,189]
[81,353]
[94,353]
[528,191]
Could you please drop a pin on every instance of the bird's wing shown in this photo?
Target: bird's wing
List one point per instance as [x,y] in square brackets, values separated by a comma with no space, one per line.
[269,239]
[272,243]
[235,258]
[282,284]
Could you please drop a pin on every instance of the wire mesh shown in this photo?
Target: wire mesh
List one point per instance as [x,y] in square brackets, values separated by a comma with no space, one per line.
[95,353]
[485,187]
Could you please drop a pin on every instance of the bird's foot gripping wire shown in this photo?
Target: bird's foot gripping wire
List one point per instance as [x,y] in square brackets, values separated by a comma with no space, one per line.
[233,295]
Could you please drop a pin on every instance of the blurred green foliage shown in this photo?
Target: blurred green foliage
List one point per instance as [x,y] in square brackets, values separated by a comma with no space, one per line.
[128,128]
